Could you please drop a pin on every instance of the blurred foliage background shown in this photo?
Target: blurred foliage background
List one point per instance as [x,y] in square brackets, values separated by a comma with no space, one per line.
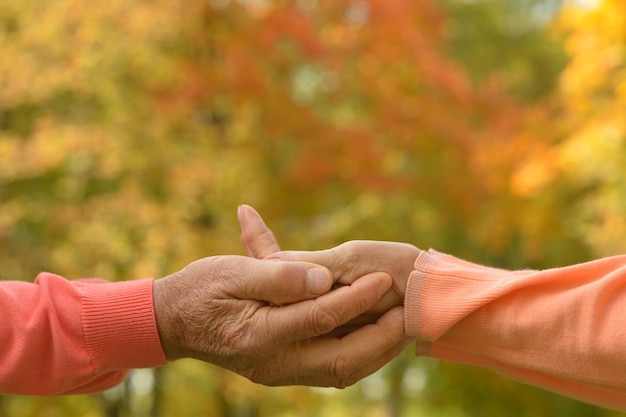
[130,132]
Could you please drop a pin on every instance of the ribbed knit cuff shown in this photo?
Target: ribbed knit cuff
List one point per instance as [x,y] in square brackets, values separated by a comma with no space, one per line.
[120,325]
[413,295]
[444,289]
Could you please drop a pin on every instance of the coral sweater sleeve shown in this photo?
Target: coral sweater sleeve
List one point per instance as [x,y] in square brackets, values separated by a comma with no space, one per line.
[562,329]
[69,337]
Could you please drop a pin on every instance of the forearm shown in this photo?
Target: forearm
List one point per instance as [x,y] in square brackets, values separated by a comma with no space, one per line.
[67,337]
[561,329]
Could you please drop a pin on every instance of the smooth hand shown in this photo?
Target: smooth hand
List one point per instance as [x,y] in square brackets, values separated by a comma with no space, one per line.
[347,262]
[225,310]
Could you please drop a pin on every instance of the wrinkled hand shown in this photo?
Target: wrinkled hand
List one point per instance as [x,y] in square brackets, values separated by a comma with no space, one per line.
[224,310]
[347,262]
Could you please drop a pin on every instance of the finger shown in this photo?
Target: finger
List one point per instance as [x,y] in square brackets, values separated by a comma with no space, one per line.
[278,282]
[316,380]
[347,262]
[328,258]
[320,316]
[256,237]
[386,303]
[342,362]
[358,347]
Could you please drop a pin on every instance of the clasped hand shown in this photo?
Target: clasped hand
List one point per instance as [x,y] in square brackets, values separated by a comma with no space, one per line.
[347,262]
[276,321]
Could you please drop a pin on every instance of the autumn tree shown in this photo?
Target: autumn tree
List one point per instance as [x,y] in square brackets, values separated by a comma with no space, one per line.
[592,97]
[129,134]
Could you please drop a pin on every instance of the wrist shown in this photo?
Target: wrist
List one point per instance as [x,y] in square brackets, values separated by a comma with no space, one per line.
[410,254]
[165,318]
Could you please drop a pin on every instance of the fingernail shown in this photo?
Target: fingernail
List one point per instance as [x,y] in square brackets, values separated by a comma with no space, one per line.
[318,281]
[240,212]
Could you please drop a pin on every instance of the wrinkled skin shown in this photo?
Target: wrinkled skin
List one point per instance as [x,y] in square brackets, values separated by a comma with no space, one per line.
[270,320]
[347,262]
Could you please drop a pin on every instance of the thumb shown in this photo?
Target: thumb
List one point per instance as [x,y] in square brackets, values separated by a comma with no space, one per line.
[283,282]
[256,237]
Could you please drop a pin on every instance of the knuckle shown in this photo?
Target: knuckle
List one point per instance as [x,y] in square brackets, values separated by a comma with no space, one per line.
[344,383]
[246,237]
[343,367]
[349,250]
[348,255]
[289,278]
[342,371]
[286,269]
[276,285]
[266,237]
[323,320]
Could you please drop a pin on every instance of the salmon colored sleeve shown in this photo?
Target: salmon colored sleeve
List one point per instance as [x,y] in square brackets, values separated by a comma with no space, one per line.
[69,337]
[562,329]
